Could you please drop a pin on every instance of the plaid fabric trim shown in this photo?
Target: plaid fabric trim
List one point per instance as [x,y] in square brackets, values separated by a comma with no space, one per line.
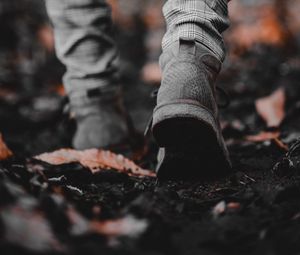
[200,20]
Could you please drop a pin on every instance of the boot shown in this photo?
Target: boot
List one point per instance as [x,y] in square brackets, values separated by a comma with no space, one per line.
[185,120]
[101,120]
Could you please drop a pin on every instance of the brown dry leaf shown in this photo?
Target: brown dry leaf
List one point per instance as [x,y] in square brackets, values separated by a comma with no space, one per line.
[271,108]
[233,206]
[128,226]
[281,145]
[96,160]
[223,207]
[263,136]
[59,89]
[5,152]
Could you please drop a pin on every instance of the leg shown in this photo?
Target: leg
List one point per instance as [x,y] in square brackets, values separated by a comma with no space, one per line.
[185,120]
[201,20]
[84,43]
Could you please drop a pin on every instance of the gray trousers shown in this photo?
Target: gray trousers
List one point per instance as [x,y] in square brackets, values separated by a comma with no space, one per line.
[84,42]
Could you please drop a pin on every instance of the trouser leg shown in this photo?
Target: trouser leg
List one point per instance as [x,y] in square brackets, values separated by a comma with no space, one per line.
[199,20]
[84,43]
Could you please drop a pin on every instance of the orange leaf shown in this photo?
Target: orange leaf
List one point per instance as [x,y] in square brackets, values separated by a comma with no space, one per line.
[233,206]
[263,136]
[96,160]
[58,89]
[128,226]
[271,108]
[5,152]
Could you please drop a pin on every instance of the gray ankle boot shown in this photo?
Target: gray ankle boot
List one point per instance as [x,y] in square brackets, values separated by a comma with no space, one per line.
[101,120]
[185,120]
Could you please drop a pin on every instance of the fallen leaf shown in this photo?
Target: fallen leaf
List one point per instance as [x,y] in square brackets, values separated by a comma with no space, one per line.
[281,145]
[96,160]
[271,108]
[219,209]
[222,207]
[263,136]
[5,152]
[127,226]
[58,89]
[233,206]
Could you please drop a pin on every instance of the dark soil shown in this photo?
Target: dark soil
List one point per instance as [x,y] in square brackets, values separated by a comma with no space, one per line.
[256,210]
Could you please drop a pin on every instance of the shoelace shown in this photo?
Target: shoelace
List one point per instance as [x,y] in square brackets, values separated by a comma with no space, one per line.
[222,106]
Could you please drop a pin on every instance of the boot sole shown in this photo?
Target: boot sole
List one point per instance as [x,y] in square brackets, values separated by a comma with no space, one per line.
[188,133]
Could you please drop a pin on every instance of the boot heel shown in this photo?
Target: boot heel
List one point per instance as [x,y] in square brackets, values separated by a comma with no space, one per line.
[184,122]
[188,134]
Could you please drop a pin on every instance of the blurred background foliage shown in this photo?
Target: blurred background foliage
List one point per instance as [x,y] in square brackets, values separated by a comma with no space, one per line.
[27,48]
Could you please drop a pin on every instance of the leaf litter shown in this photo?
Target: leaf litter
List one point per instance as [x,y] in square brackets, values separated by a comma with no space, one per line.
[271,108]
[5,152]
[95,160]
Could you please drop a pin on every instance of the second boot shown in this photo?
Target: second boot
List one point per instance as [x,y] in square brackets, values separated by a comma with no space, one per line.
[102,121]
